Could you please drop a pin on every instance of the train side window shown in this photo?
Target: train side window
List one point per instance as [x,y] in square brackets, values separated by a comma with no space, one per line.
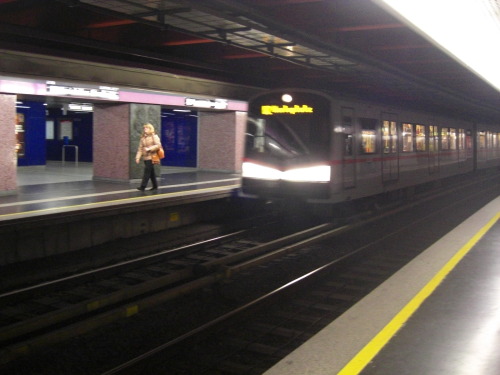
[497,137]
[461,139]
[445,144]
[468,140]
[482,139]
[453,139]
[493,144]
[407,137]
[433,138]
[368,135]
[420,135]
[347,124]
[389,137]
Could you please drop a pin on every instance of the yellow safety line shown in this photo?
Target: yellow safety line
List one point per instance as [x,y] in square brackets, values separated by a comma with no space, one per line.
[151,197]
[365,355]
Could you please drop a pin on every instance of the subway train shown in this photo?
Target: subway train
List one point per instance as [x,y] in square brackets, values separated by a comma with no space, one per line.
[306,145]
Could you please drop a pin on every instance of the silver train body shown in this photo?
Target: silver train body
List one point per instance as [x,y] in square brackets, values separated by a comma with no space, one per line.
[308,146]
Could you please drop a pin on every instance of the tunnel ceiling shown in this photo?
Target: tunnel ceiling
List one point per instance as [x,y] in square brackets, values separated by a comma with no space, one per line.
[345,47]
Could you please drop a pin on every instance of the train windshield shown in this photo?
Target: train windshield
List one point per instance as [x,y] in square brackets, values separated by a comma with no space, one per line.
[274,138]
[295,131]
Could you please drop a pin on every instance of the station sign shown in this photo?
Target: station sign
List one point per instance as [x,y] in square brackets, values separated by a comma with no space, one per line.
[99,92]
[206,103]
[84,107]
[285,109]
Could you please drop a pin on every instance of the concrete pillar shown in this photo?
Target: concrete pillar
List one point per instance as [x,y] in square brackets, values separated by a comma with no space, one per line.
[221,141]
[141,114]
[117,129]
[8,158]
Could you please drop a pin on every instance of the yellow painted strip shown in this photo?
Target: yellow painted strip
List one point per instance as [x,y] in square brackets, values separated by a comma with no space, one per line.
[21,350]
[114,202]
[91,306]
[131,310]
[359,362]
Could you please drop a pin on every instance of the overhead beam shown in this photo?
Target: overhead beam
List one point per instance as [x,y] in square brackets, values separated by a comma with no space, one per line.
[368,27]
[420,62]
[104,24]
[244,56]
[188,42]
[284,2]
[401,46]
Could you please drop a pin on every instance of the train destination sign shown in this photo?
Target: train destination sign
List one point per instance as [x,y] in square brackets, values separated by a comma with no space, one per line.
[285,109]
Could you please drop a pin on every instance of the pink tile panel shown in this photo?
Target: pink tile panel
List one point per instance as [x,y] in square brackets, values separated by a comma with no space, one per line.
[220,141]
[240,123]
[8,158]
[111,141]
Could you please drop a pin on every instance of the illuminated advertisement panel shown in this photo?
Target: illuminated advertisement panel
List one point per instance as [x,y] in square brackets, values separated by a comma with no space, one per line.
[20,146]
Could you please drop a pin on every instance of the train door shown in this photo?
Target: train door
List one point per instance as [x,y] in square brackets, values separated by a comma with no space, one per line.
[390,160]
[462,151]
[433,149]
[490,143]
[481,145]
[348,161]
[469,144]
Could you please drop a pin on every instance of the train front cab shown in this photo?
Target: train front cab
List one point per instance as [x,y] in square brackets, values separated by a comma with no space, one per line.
[275,189]
[287,146]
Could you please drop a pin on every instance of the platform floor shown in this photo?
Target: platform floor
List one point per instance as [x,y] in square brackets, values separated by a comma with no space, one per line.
[56,186]
[439,315]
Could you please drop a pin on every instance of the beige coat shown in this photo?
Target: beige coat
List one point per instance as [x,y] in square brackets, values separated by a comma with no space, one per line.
[148,145]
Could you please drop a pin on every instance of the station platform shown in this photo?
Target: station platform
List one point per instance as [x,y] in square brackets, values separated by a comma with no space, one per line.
[44,190]
[439,315]
[58,210]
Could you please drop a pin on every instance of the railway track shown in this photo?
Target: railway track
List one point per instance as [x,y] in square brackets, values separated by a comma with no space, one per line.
[218,268]
[262,331]
[33,316]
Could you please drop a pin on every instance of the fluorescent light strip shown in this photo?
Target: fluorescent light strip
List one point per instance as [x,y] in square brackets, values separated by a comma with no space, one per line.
[469,30]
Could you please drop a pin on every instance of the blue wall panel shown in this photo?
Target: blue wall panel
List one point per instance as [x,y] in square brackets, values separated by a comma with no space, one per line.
[82,135]
[179,137]
[34,134]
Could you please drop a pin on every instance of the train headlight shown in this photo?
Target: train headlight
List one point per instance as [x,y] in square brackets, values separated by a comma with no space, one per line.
[320,173]
[252,170]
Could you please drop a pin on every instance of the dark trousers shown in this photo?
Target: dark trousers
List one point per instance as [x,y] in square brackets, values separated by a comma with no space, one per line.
[149,173]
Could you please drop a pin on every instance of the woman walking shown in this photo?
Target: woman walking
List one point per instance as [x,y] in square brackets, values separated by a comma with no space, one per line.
[149,144]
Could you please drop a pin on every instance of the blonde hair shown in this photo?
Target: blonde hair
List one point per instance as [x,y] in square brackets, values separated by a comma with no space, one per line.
[150,127]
